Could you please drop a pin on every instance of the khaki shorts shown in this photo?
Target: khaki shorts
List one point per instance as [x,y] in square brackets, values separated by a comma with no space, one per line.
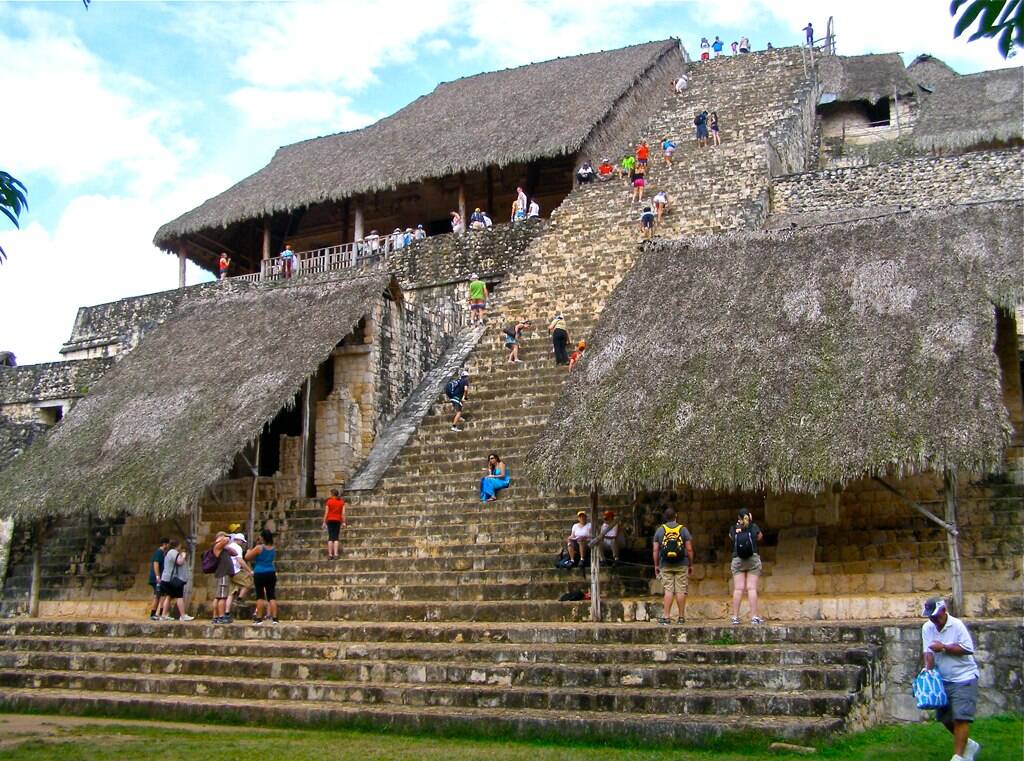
[751,565]
[675,581]
[242,580]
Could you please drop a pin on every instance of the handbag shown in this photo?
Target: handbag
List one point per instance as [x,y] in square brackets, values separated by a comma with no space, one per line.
[928,690]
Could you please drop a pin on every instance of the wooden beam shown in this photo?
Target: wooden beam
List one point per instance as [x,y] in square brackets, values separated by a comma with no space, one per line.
[37,565]
[950,486]
[462,199]
[357,232]
[217,245]
[304,453]
[255,486]
[913,505]
[182,259]
[595,561]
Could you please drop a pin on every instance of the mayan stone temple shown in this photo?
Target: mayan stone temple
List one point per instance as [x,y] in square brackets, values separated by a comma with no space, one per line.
[822,329]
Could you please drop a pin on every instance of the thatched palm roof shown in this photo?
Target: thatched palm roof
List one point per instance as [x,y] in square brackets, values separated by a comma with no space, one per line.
[498,118]
[927,71]
[794,360]
[863,77]
[973,109]
[169,418]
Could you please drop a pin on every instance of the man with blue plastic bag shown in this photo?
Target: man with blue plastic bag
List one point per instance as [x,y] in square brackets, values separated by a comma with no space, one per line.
[949,648]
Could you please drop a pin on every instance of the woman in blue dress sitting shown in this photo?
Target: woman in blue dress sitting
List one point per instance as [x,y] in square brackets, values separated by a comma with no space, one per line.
[498,478]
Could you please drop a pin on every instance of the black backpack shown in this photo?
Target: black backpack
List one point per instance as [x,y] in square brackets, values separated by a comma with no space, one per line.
[510,331]
[673,548]
[451,389]
[744,544]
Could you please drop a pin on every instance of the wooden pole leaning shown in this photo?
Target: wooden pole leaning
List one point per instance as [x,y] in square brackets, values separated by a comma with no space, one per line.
[192,544]
[950,483]
[595,561]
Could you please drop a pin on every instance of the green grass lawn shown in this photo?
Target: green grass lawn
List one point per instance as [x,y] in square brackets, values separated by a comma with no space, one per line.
[1002,738]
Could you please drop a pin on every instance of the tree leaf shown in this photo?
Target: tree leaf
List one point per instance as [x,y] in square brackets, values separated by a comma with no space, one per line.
[972,12]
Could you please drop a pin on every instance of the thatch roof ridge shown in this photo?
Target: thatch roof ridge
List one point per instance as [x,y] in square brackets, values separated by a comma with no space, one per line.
[168,418]
[973,109]
[793,360]
[865,77]
[461,126]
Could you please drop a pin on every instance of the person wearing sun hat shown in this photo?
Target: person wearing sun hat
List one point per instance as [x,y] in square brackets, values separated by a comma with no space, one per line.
[948,647]
[578,542]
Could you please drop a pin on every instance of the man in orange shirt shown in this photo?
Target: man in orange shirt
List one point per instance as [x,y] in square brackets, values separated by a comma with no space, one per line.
[643,152]
[334,519]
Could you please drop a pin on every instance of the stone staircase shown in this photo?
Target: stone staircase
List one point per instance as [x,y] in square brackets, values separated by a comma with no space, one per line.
[594,682]
[443,612]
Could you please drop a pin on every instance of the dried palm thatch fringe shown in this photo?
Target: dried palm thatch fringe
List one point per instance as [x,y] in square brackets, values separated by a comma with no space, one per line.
[974,109]
[168,418]
[864,77]
[928,72]
[494,119]
[794,360]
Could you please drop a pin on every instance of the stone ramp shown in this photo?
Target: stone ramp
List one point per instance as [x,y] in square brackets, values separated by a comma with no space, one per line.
[390,441]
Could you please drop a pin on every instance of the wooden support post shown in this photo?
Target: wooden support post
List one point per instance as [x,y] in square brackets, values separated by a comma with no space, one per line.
[490,192]
[595,561]
[304,453]
[181,266]
[896,110]
[37,566]
[192,545]
[345,214]
[950,483]
[266,240]
[357,233]
[255,466]
[462,199]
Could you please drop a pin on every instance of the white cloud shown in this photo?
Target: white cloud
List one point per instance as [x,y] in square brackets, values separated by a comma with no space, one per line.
[101,250]
[313,110]
[77,122]
[437,45]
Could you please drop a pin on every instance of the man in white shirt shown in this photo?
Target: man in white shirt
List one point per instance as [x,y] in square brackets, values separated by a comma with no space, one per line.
[948,647]
[534,210]
[578,542]
[681,83]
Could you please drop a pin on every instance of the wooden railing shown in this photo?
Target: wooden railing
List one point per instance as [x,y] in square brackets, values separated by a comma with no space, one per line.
[368,253]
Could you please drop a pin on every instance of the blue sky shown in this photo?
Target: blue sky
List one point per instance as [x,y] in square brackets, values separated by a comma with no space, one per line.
[125,115]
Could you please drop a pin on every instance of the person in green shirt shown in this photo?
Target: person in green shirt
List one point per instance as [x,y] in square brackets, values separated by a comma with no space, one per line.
[477,300]
[627,166]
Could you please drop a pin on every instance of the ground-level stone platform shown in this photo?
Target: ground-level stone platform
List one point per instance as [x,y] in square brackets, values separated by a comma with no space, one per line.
[572,679]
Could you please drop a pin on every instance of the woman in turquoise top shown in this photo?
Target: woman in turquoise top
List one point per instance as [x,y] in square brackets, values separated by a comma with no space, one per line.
[498,479]
[264,575]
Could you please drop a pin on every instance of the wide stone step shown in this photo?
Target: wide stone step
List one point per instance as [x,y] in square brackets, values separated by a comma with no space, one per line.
[660,676]
[648,656]
[467,591]
[342,577]
[592,725]
[638,700]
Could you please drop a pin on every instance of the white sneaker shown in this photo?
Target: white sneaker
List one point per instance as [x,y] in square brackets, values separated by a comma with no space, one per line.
[957,758]
[187,618]
[972,749]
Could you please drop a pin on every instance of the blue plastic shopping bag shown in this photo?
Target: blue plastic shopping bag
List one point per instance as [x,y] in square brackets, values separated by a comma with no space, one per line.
[928,690]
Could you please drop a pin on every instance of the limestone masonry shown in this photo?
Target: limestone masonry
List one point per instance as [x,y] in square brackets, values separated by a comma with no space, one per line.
[442,611]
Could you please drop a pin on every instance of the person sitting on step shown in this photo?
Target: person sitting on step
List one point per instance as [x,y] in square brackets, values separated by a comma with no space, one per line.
[585,174]
[605,170]
[609,537]
[497,478]
[578,542]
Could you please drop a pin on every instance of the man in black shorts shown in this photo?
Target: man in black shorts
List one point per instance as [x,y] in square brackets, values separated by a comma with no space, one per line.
[456,391]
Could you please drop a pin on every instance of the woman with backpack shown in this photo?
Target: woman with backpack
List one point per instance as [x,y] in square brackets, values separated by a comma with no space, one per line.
[746,565]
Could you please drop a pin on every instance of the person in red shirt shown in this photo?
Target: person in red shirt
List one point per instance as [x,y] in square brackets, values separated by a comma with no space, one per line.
[605,171]
[223,265]
[334,519]
[643,152]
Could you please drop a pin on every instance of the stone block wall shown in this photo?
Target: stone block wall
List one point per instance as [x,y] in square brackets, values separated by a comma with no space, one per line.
[23,388]
[916,183]
[999,651]
[375,371]
[451,258]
